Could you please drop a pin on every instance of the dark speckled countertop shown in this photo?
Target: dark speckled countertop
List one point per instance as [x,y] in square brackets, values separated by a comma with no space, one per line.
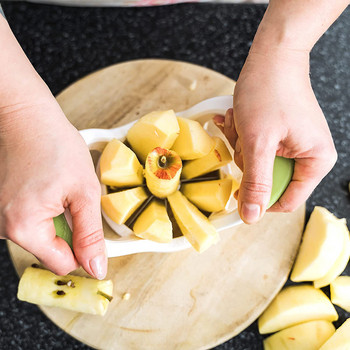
[64,44]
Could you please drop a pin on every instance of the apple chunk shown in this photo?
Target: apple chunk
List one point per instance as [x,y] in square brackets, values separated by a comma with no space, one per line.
[156,129]
[340,340]
[305,336]
[119,206]
[340,292]
[193,141]
[296,304]
[119,166]
[194,225]
[321,246]
[154,223]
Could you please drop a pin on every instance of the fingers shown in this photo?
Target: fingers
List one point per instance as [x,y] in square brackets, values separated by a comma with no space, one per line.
[88,240]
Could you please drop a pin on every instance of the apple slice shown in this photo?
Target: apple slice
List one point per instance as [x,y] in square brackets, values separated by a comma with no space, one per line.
[321,246]
[209,196]
[193,141]
[154,223]
[340,340]
[162,172]
[215,159]
[339,265]
[119,166]
[156,129]
[80,294]
[305,336]
[296,304]
[194,225]
[119,206]
[340,292]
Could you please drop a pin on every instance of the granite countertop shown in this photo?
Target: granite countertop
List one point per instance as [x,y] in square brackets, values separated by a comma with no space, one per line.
[64,44]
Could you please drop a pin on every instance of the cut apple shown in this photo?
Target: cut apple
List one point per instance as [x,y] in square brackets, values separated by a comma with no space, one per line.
[193,141]
[194,225]
[296,304]
[340,340]
[210,196]
[156,129]
[119,206]
[162,172]
[305,336]
[215,159]
[119,166]
[321,246]
[81,294]
[154,223]
[340,292]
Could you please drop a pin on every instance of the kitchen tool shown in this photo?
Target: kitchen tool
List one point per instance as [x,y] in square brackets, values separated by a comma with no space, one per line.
[128,243]
[183,300]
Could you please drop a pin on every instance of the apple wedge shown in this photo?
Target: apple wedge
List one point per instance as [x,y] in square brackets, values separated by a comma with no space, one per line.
[340,340]
[215,159]
[80,294]
[119,166]
[119,206]
[305,336]
[296,304]
[194,225]
[340,292]
[193,141]
[156,129]
[321,246]
[154,223]
[210,196]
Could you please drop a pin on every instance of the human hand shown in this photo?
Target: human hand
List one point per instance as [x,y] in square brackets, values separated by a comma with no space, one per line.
[46,168]
[275,112]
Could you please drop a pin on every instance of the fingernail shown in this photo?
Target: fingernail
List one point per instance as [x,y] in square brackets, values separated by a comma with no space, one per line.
[219,120]
[250,212]
[238,146]
[98,266]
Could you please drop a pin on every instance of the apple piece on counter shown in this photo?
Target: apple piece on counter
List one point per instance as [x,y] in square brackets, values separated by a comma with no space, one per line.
[296,304]
[162,172]
[155,129]
[340,292]
[304,336]
[210,196]
[154,223]
[80,294]
[119,206]
[340,340]
[193,224]
[339,265]
[215,159]
[193,141]
[321,246]
[119,166]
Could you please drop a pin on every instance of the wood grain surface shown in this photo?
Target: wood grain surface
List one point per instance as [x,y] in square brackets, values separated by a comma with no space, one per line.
[183,300]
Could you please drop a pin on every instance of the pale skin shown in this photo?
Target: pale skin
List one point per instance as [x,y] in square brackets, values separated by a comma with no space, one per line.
[46,167]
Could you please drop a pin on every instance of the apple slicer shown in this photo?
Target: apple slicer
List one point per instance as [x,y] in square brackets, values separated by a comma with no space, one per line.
[128,243]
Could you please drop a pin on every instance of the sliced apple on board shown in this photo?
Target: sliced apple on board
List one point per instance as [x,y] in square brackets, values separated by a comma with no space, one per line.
[340,340]
[296,304]
[193,224]
[340,292]
[81,294]
[119,206]
[215,159]
[193,141]
[304,336]
[210,196]
[321,246]
[154,223]
[155,129]
[119,166]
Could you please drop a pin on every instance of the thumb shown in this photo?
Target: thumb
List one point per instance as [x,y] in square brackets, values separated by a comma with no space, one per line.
[88,240]
[255,189]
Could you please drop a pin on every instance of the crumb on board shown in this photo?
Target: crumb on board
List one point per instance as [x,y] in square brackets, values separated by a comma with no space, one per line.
[126,296]
[193,85]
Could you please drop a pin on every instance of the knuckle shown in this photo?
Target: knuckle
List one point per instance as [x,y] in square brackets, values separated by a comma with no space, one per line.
[256,187]
[91,239]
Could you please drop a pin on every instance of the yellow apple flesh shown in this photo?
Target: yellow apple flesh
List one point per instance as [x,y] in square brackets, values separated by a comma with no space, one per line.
[340,340]
[340,292]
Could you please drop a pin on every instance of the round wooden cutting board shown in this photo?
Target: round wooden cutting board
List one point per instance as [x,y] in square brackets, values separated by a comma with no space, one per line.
[183,300]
